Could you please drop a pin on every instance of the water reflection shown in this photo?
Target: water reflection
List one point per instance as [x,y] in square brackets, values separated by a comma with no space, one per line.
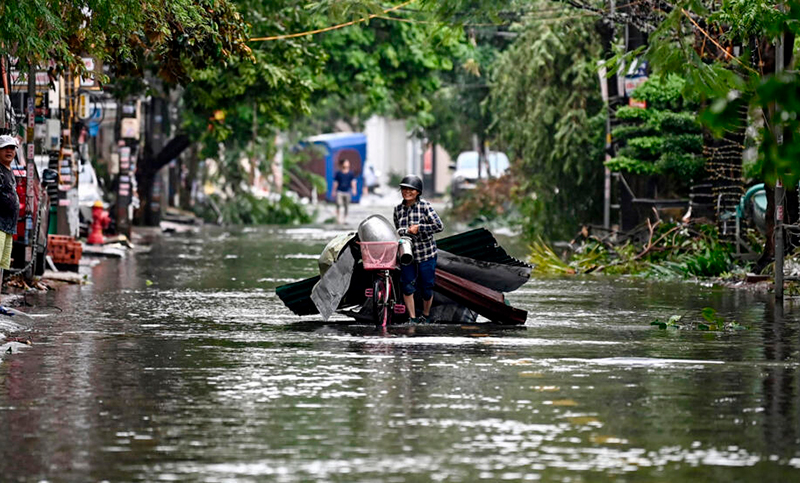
[202,375]
[779,386]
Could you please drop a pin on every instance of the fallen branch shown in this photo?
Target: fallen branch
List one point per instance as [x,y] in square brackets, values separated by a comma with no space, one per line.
[650,246]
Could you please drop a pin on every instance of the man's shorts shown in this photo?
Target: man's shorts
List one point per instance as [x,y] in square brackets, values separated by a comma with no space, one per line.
[343,199]
[6,240]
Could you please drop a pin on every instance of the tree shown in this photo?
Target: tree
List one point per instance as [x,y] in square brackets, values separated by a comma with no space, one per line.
[550,118]
[243,101]
[125,35]
[663,140]
[389,66]
[727,54]
[461,107]
[132,38]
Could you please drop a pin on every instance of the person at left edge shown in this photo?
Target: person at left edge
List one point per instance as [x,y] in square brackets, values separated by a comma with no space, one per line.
[9,205]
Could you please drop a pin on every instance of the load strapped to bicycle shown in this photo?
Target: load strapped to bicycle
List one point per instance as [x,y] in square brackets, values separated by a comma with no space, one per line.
[381,251]
[360,278]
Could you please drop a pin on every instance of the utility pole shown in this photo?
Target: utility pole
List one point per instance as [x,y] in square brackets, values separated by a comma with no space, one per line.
[29,165]
[779,190]
[607,171]
[254,156]
[477,147]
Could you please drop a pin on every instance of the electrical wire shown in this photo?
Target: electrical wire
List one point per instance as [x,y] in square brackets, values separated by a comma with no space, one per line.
[383,16]
[327,29]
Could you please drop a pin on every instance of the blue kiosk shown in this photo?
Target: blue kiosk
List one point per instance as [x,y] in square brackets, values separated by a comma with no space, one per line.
[336,147]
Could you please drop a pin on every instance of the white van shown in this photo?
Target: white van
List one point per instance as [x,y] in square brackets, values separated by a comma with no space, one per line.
[465,176]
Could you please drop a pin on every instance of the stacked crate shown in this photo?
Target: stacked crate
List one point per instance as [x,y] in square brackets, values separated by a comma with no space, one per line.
[65,251]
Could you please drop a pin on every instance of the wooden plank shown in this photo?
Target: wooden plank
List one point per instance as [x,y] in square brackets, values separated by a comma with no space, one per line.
[485,301]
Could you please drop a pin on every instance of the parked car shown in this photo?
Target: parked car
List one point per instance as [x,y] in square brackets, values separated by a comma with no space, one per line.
[465,174]
[30,242]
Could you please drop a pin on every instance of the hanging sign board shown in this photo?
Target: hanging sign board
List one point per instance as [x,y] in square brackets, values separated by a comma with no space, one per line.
[637,103]
[19,81]
[92,67]
[636,76]
[130,128]
[84,106]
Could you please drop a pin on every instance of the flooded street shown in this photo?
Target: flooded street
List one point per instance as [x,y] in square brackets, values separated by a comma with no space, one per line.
[181,364]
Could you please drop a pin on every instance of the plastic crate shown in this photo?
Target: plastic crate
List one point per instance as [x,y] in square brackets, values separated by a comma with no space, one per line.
[64,249]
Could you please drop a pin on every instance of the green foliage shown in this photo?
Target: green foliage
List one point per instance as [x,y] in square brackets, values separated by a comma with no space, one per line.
[628,113]
[690,253]
[684,166]
[712,322]
[545,261]
[662,93]
[462,108]
[381,67]
[631,131]
[749,18]
[395,178]
[243,103]
[658,140]
[295,161]
[670,252]
[127,36]
[673,322]
[687,143]
[733,85]
[626,164]
[274,83]
[491,200]
[781,159]
[677,122]
[247,209]
[647,147]
[550,120]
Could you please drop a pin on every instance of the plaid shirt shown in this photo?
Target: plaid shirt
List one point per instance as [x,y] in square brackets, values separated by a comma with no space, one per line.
[420,213]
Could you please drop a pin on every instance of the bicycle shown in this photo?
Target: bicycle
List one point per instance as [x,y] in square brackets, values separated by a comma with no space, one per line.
[380,257]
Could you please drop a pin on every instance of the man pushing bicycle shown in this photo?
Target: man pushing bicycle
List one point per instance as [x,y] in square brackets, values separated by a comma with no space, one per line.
[416,219]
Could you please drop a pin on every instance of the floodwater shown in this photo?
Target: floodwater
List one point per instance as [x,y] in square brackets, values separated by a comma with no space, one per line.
[181,364]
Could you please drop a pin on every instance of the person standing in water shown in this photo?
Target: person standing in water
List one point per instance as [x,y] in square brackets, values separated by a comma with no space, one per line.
[416,219]
[344,186]
[9,205]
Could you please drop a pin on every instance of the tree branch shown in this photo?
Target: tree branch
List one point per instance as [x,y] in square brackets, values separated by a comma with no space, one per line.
[172,150]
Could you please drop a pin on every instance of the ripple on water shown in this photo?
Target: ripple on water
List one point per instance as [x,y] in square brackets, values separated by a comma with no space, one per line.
[301,256]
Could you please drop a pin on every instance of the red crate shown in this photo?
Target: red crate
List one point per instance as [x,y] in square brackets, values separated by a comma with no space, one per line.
[64,249]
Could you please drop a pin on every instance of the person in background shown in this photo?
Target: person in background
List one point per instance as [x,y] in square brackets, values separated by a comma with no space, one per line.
[9,205]
[416,219]
[370,178]
[344,186]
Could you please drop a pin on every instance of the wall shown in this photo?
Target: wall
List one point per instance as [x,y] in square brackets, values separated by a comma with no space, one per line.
[386,146]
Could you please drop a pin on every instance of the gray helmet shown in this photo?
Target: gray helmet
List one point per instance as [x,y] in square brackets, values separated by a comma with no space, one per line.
[412,181]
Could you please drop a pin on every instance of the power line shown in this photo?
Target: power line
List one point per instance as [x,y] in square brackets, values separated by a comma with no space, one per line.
[590,12]
[327,29]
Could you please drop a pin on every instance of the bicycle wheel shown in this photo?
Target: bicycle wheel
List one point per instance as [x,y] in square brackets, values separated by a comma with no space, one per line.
[381,312]
[388,305]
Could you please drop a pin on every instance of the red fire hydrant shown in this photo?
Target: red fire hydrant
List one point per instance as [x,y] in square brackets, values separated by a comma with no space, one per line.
[100,220]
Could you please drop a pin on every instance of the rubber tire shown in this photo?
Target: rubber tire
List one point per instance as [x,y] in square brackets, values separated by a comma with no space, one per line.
[40,264]
[381,312]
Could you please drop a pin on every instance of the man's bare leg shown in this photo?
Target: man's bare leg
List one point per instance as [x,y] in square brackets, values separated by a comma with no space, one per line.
[409,301]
